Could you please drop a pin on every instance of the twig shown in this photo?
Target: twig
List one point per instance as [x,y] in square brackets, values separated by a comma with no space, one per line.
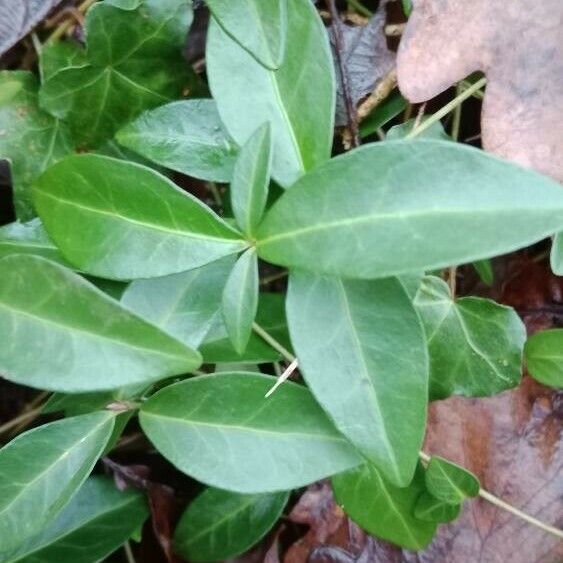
[283,377]
[346,92]
[509,508]
[67,24]
[426,458]
[381,91]
[446,109]
[25,416]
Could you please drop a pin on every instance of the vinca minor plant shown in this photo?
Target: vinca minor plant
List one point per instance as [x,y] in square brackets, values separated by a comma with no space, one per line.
[126,296]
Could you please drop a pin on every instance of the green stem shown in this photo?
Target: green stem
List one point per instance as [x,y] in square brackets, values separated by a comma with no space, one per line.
[360,8]
[267,337]
[442,112]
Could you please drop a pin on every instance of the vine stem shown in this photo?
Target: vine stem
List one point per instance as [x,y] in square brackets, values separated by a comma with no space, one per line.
[21,418]
[447,108]
[423,456]
[65,26]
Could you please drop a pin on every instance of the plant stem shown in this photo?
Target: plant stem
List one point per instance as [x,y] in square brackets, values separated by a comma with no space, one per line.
[274,277]
[360,8]
[447,108]
[424,456]
[128,552]
[273,342]
[22,417]
[283,377]
[65,26]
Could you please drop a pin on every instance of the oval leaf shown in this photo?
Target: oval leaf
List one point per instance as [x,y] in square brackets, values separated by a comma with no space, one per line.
[63,334]
[384,209]
[121,220]
[249,188]
[259,26]
[184,305]
[475,344]
[186,136]
[97,520]
[41,470]
[382,509]
[544,357]
[248,94]
[362,351]
[221,430]
[240,300]
[449,482]
[220,524]
[430,509]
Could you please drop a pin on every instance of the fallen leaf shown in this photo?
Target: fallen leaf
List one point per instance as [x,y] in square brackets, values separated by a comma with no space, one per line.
[18,18]
[365,57]
[519,47]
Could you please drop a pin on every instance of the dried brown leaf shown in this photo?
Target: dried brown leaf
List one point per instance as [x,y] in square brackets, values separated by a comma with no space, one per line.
[519,47]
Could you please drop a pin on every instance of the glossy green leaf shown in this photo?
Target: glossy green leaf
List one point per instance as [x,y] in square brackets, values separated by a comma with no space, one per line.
[58,55]
[259,26]
[120,220]
[184,305]
[63,334]
[557,254]
[449,482]
[248,94]
[249,188]
[220,430]
[485,270]
[30,139]
[186,136]
[362,351]
[28,238]
[41,470]
[383,113]
[382,509]
[431,509]
[475,344]
[544,357]
[218,348]
[220,524]
[134,62]
[97,520]
[407,206]
[240,300]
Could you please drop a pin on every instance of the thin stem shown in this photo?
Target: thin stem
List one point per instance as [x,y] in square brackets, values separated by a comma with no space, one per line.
[360,8]
[508,507]
[274,277]
[267,337]
[457,115]
[283,377]
[22,417]
[128,552]
[349,104]
[447,108]
[65,26]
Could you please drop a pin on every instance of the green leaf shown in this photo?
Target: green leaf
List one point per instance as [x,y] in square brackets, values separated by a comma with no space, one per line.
[544,357]
[362,351]
[134,62]
[384,209]
[218,348]
[485,270]
[248,94]
[383,113]
[258,26]
[407,7]
[186,136]
[557,254]
[41,470]
[430,509]
[475,344]
[31,139]
[58,55]
[249,188]
[97,520]
[28,238]
[220,430]
[449,482]
[435,131]
[240,300]
[220,524]
[183,305]
[120,220]
[63,334]
[382,509]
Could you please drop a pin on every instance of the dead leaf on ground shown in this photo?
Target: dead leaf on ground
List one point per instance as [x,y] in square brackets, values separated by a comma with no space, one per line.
[365,57]
[519,47]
